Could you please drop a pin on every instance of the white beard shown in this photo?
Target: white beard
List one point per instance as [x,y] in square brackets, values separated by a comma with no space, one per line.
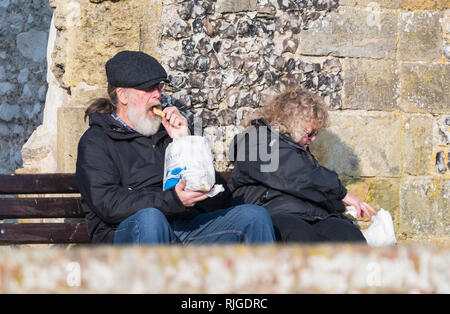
[142,122]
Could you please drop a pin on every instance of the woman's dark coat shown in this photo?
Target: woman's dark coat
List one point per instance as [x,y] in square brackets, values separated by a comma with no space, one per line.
[300,185]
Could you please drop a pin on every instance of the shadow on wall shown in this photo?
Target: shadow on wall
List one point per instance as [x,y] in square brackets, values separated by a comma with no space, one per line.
[333,153]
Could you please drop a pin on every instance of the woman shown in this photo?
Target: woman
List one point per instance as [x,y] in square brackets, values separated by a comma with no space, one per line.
[304,199]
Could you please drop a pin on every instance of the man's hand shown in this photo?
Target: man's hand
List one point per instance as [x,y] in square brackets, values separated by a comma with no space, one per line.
[188,198]
[175,124]
[362,208]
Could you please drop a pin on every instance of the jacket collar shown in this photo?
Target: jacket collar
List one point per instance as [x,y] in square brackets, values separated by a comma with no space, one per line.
[117,131]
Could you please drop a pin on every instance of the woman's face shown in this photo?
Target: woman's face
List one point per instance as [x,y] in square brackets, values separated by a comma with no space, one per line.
[309,135]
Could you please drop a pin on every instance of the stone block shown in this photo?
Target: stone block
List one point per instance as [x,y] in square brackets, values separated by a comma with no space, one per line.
[424,4]
[370,84]
[425,87]
[399,4]
[234,6]
[352,32]
[424,207]
[82,94]
[417,144]
[385,4]
[420,37]
[361,144]
[110,31]
[70,128]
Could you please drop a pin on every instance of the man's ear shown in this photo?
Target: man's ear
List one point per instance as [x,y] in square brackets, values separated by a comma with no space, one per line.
[122,95]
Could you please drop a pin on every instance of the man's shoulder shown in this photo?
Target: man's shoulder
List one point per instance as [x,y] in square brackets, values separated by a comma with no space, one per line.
[93,134]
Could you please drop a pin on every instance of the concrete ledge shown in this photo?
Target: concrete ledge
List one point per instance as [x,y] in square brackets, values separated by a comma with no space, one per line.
[227,269]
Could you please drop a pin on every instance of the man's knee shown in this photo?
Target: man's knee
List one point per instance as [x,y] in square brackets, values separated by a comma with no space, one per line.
[148,225]
[254,213]
[150,216]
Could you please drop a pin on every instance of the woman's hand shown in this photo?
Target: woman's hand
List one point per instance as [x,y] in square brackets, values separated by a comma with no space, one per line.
[175,124]
[362,208]
[188,198]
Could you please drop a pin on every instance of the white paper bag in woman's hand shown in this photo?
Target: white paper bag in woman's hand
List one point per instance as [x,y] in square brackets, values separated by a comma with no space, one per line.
[381,231]
[190,157]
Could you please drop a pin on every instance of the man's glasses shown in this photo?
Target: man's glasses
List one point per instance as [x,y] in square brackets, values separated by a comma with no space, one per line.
[158,86]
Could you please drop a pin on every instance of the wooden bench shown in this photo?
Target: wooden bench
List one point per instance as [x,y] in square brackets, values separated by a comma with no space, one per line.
[29,206]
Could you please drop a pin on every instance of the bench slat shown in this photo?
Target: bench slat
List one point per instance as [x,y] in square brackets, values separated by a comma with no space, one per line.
[38,183]
[39,233]
[40,207]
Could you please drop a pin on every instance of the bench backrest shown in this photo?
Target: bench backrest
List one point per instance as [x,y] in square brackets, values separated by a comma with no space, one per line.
[42,206]
[29,205]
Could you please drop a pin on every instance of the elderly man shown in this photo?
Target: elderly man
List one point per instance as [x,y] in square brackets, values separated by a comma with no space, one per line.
[120,169]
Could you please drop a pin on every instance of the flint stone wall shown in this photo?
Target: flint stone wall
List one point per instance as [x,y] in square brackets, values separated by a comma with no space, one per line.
[381,66]
[23,48]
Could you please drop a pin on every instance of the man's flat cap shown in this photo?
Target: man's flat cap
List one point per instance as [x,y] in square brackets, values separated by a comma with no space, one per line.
[134,69]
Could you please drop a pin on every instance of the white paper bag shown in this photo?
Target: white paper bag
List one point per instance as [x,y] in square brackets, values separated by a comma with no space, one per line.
[190,157]
[381,231]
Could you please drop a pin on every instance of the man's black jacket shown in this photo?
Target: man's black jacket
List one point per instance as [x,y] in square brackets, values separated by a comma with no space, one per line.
[119,172]
[299,185]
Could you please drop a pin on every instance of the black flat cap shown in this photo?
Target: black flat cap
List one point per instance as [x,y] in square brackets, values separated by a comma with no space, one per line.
[134,69]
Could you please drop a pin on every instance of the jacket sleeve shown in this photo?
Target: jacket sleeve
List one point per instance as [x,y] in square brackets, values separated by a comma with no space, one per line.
[98,179]
[297,174]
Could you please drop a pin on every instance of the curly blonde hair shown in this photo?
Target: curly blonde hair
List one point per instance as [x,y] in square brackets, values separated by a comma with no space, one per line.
[290,110]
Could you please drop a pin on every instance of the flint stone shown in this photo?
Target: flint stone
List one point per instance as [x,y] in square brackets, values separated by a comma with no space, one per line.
[9,112]
[177,80]
[197,80]
[291,80]
[332,66]
[197,25]
[440,163]
[237,63]
[185,11]
[202,63]
[211,26]
[209,118]
[187,46]
[278,63]
[32,44]
[181,63]
[203,46]
[227,117]
[179,29]
[248,97]
[290,45]
[213,79]
[232,77]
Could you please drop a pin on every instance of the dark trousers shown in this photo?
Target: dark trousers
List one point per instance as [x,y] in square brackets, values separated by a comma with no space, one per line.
[290,227]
